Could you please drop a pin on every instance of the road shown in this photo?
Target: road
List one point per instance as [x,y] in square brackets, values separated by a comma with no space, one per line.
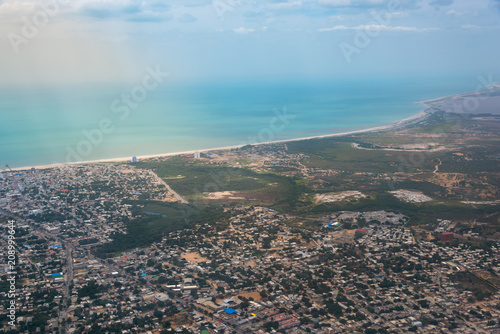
[170,190]
[63,315]
[437,166]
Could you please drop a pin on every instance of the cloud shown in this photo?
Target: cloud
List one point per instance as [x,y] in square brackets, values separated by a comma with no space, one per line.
[378,27]
[496,3]
[353,3]
[473,26]
[335,3]
[441,2]
[243,30]
[187,18]
[194,3]
[293,5]
[13,8]
[469,26]
[108,8]
[399,14]
[461,13]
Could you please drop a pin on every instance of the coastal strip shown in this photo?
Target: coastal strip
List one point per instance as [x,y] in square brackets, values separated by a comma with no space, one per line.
[398,124]
[430,107]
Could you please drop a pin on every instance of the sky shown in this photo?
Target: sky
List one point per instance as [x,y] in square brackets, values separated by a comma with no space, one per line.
[105,41]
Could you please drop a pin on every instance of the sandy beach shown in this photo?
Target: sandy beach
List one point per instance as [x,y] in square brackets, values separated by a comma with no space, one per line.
[430,107]
[398,124]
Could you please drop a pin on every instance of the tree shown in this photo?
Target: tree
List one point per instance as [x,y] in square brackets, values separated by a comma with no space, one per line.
[271,325]
[158,314]
[334,308]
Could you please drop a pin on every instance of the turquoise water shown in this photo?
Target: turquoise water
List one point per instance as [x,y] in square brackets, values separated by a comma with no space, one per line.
[42,125]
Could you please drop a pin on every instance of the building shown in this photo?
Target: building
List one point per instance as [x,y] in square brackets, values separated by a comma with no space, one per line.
[447,237]
[134,159]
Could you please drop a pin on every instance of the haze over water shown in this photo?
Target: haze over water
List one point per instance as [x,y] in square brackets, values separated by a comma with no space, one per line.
[42,125]
[64,63]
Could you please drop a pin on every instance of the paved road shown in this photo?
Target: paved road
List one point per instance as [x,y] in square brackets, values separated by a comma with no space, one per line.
[68,280]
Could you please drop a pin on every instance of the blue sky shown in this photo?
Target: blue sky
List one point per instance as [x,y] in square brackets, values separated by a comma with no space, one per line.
[84,41]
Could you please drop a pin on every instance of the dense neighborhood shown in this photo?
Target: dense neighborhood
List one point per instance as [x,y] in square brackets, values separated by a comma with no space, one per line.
[252,271]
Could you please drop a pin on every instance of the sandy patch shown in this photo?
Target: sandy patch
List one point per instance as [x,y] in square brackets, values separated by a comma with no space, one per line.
[248,295]
[194,257]
[251,264]
[342,236]
[255,295]
[174,177]
[180,319]
[481,202]
[169,199]
[223,195]
[411,196]
[339,196]
[428,147]
[128,171]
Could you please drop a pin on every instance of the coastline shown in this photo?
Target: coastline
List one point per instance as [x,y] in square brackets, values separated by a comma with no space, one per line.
[397,124]
[429,107]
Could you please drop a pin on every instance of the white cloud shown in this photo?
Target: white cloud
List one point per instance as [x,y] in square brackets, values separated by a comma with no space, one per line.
[470,26]
[335,3]
[338,18]
[343,3]
[285,5]
[462,13]
[473,26]
[14,9]
[379,27]
[399,14]
[243,30]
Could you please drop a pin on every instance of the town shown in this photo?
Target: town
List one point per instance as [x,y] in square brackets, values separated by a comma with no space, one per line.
[250,269]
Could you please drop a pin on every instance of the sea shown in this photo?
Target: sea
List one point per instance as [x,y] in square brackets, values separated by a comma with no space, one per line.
[47,124]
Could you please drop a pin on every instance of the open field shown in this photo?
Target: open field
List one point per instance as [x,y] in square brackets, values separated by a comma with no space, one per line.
[194,257]
[411,196]
[335,197]
[248,295]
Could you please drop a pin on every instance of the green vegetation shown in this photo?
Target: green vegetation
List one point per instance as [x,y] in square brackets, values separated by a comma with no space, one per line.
[88,241]
[91,290]
[199,178]
[451,177]
[143,229]
[262,188]
[339,154]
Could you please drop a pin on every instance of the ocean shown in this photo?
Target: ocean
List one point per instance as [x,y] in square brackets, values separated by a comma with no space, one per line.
[43,124]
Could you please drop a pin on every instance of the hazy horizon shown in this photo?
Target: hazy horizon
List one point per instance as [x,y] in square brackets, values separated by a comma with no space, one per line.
[147,77]
[88,41]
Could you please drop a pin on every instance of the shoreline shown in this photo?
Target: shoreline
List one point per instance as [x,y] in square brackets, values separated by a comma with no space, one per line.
[428,105]
[397,124]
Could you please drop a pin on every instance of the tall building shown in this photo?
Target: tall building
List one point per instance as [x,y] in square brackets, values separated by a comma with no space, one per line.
[134,159]
[197,155]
